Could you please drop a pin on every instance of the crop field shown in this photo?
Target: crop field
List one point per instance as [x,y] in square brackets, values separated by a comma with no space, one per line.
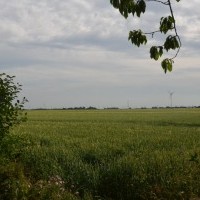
[115,154]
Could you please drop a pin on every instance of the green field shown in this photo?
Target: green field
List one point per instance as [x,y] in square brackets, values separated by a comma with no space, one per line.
[115,154]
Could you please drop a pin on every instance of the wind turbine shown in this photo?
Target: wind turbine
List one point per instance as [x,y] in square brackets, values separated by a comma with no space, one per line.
[128,104]
[170,96]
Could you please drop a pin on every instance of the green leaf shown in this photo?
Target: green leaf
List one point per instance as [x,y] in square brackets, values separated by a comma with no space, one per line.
[169,67]
[115,3]
[161,51]
[142,6]
[164,65]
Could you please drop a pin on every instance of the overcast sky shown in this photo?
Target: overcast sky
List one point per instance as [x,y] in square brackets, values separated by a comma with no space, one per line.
[70,53]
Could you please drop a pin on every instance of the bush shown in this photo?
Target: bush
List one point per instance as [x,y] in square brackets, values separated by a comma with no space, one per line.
[10,107]
[13,183]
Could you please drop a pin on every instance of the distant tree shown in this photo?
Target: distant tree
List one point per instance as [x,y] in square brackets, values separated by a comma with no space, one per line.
[167,23]
[11,109]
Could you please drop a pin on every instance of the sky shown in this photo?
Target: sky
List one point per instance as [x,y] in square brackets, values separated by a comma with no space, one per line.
[76,53]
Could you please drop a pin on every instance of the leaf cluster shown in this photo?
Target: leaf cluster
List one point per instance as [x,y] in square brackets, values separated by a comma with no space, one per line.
[10,107]
[166,24]
[156,52]
[137,37]
[167,65]
[127,7]
[171,43]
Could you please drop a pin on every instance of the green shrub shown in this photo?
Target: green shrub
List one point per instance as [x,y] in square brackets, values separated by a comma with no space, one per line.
[10,106]
[12,146]
[13,182]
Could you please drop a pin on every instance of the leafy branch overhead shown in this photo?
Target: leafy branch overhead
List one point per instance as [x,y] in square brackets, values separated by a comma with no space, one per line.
[138,37]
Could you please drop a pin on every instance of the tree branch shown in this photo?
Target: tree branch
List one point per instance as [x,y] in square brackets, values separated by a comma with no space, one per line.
[152,33]
[165,3]
[175,29]
[167,23]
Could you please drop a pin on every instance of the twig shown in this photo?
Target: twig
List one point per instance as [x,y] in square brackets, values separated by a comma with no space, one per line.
[165,3]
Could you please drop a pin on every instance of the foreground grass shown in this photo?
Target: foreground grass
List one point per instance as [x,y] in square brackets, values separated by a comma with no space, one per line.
[112,154]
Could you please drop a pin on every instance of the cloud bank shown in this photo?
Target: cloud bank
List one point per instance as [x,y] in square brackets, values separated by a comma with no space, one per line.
[76,53]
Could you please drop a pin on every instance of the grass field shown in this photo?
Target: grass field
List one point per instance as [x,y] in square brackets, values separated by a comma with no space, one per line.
[115,154]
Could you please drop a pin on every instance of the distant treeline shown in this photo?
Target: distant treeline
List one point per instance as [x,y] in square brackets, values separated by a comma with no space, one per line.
[81,108]
[113,108]
[155,107]
[89,108]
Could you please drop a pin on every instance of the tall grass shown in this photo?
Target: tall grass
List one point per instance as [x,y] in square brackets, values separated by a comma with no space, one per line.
[116,154]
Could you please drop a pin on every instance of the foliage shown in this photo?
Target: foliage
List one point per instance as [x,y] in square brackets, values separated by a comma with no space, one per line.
[13,145]
[167,24]
[10,107]
[13,183]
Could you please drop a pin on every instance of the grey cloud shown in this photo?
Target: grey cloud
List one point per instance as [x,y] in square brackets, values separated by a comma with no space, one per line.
[71,53]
